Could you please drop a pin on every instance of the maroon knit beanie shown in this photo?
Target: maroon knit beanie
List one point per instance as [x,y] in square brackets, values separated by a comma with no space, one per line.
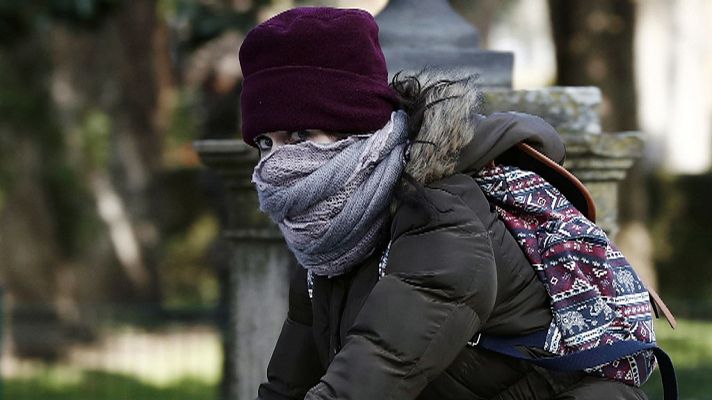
[314,68]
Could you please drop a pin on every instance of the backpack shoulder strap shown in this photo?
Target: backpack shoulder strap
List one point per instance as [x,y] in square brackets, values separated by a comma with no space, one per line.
[659,305]
[582,360]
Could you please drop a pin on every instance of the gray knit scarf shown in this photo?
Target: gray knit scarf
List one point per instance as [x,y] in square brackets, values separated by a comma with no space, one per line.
[331,200]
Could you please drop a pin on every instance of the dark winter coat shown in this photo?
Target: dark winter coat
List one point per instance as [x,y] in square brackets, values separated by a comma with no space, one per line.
[453,271]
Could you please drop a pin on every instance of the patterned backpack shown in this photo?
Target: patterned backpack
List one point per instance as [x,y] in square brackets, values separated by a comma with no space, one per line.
[602,314]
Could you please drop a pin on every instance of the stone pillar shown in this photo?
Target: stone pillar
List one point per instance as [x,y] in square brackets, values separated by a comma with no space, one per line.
[599,159]
[260,265]
[414,34]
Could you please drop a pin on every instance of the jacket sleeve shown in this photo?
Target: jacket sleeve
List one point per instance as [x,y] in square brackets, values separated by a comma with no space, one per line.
[295,366]
[439,288]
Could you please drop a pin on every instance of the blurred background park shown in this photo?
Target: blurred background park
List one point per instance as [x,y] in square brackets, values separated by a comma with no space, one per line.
[113,271]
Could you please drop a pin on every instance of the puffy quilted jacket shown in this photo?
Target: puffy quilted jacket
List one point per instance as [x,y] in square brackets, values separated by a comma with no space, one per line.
[453,270]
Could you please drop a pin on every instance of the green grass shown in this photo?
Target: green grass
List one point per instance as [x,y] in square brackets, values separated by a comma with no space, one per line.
[126,364]
[690,347]
[100,385]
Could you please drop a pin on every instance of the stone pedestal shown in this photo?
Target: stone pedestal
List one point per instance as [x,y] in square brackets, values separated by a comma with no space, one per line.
[600,160]
[257,302]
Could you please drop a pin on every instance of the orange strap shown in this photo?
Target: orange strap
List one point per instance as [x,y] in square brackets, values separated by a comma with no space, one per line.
[663,308]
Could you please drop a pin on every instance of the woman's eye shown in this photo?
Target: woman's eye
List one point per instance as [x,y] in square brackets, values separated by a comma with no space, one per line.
[299,136]
[264,143]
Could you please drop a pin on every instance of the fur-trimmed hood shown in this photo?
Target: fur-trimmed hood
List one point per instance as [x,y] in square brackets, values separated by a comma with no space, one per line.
[455,137]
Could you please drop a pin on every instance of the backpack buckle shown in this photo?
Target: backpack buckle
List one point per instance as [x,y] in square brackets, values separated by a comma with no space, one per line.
[475,340]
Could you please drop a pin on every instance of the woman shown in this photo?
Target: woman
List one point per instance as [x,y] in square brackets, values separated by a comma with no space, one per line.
[404,259]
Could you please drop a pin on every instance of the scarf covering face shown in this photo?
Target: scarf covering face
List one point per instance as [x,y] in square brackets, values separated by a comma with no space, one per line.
[331,200]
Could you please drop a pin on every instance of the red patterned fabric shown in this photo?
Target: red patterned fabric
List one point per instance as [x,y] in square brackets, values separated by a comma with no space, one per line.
[596,297]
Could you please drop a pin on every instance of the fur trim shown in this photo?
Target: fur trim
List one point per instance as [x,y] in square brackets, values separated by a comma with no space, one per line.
[448,124]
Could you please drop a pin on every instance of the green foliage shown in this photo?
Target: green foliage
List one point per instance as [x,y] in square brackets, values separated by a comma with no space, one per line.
[87,13]
[29,119]
[24,97]
[690,347]
[93,385]
[25,107]
[681,215]
[19,18]
[197,22]
[68,198]
[65,182]
[94,137]
[186,279]
[183,125]
[173,360]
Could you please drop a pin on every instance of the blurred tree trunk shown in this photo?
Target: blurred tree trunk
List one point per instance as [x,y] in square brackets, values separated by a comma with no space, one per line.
[144,78]
[138,32]
[35,214]
[119,73]
[594,46]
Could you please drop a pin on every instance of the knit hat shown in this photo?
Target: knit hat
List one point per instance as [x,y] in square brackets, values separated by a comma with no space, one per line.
[314,68]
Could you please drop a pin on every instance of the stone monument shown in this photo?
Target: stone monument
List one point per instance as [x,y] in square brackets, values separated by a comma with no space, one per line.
[414,34]
[257,300]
